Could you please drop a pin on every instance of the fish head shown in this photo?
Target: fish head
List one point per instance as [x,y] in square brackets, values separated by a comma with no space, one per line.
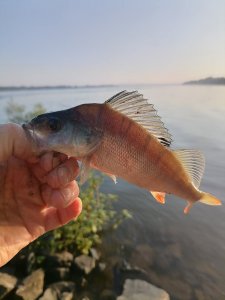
[64,131]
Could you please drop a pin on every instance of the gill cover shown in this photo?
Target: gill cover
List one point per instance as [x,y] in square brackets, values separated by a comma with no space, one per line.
[64,131]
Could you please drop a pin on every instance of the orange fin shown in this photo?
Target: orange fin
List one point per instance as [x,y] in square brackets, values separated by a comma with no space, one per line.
[188,208]
[209,199]
[206,199]
[159,196]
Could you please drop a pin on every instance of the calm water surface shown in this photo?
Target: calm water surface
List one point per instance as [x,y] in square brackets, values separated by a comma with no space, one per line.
[185,254]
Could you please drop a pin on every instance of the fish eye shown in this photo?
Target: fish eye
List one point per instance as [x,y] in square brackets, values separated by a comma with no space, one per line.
[54,124]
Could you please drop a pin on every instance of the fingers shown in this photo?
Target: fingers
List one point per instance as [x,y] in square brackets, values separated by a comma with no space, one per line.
[51,160]
[47,162]
[63,174]
[57,217]
[56,169]
[56,173]
[60,198]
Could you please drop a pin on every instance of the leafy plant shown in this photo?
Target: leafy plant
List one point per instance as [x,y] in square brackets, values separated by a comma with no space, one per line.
[81,235]
[17,113]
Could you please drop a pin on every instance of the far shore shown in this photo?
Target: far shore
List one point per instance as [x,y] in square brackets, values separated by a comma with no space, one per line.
[51,87]
[205,81]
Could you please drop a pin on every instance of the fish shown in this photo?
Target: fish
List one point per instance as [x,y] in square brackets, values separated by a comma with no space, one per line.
[124,138]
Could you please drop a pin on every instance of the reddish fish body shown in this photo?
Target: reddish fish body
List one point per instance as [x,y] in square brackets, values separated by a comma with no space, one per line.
[124,138]
[128,151]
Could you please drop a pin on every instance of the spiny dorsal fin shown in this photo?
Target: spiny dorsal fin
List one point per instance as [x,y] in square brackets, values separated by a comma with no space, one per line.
[134,106]
[193,162]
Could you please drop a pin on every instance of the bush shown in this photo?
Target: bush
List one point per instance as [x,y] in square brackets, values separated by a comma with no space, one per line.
[16,112]
[98,215]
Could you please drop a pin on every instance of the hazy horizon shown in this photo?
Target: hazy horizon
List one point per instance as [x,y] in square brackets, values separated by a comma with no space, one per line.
[99,85]
[110,43]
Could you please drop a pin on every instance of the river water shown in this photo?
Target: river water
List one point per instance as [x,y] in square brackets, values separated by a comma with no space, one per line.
[185,255]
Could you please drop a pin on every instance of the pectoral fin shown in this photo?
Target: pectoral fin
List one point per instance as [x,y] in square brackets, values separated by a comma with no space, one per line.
[84,170]
[113,177]
[159,196]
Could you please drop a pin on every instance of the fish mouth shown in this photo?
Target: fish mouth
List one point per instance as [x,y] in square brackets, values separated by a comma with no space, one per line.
[29,130]
[32,137]
[37,142]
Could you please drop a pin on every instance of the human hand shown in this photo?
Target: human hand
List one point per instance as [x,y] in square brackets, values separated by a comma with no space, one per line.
[36,194]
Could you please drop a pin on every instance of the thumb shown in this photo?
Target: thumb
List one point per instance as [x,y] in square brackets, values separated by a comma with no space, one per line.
[13,142]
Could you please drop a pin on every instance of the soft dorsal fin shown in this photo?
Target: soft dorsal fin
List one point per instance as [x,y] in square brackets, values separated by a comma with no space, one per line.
[193,162]
[134,106]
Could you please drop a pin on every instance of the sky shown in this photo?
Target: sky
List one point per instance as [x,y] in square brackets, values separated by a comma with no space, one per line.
[78,42]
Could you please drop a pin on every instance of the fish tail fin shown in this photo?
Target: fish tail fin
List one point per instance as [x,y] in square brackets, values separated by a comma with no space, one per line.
[193,162]
[206,198]
[209,199]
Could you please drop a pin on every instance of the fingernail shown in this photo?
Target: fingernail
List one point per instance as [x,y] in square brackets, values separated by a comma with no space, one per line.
[63,175]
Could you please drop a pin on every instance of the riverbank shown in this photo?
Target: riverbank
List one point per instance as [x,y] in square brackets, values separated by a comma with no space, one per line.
[66,277]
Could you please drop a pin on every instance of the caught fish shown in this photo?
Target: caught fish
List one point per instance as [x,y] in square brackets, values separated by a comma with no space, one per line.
[124,137]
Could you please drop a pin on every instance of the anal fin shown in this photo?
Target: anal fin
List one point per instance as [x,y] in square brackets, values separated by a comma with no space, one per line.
[159,196]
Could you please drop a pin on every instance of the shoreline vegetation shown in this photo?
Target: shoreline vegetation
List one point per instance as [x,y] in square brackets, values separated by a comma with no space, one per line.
[207,81]
[51,87]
